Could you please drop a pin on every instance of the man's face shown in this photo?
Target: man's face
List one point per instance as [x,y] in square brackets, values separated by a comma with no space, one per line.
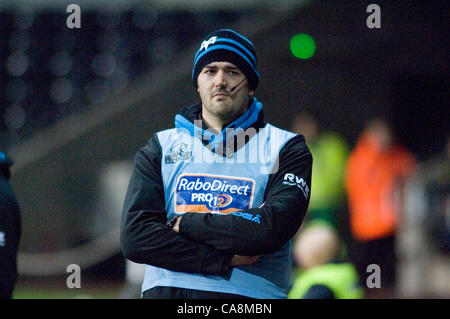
[214,84]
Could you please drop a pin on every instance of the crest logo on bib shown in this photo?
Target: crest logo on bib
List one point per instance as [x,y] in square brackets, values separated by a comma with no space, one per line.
[178,152]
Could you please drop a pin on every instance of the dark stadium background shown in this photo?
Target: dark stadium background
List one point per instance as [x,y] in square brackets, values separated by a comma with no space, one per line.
[76,104]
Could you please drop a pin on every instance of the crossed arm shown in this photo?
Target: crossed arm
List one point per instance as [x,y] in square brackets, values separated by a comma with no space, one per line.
[210,243]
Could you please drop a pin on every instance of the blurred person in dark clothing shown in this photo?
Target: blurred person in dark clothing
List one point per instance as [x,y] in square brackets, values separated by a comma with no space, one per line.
[10,229]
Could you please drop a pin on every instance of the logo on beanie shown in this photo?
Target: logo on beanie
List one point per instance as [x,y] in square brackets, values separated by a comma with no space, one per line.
[206,43]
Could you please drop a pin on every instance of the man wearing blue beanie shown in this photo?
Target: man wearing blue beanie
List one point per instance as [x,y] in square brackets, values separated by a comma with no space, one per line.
[213,203]
[227,45]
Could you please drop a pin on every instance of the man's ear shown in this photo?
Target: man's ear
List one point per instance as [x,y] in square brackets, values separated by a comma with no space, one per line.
[251,93]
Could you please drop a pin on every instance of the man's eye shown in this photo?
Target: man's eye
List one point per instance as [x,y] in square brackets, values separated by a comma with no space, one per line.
[209,71]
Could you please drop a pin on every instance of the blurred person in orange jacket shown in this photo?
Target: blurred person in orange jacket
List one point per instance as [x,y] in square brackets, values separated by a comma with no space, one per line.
[375,172]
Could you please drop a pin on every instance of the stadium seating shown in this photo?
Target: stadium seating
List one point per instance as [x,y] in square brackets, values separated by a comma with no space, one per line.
[48,71]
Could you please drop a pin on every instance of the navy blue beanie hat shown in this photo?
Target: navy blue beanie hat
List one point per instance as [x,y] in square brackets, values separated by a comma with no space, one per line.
[226,45]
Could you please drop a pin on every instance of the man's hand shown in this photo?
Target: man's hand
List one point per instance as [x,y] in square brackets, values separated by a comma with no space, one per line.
[176,226]
[238,260]
[235,261]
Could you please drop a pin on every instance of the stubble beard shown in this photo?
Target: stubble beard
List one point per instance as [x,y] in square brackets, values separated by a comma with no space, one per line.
[226,110]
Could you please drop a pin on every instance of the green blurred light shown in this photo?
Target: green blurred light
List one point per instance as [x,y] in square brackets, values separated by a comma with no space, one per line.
[302,46]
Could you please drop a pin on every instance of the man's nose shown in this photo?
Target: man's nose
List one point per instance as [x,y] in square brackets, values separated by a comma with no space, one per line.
[220,79]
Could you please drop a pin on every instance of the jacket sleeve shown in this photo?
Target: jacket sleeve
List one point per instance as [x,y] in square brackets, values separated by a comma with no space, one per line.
[10,233]
[263,230]
[144,236]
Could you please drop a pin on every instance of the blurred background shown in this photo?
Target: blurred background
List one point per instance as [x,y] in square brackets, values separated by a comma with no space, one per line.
[76,104]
